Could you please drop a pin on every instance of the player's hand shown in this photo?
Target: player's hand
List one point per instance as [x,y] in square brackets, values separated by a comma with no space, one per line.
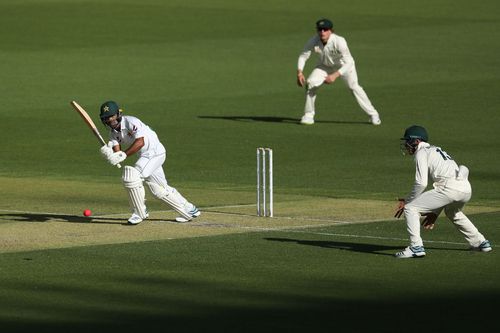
[429,220]
[107,150]
[331,78]
[117,157]
[400,208]
[301,80]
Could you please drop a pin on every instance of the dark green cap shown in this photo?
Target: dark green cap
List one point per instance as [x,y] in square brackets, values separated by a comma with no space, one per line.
[324,24]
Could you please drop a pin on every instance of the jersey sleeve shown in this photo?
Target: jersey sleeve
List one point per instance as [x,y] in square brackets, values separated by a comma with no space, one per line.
[346,57]
[421,175]
[112,139]
[306,53]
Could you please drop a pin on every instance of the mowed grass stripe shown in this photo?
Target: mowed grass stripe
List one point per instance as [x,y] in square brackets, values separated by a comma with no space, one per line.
[24,231]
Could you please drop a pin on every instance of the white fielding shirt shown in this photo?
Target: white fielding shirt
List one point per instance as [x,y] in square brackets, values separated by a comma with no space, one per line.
[131,128]
[334,54]
[434,162]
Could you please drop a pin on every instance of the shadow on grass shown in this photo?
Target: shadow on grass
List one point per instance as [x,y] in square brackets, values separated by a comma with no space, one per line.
[272,119]
[359,247]
[255,311]
[39,217]
[355,247]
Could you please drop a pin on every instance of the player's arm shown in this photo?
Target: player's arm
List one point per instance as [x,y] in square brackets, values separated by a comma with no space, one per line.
[429,220]
[421,176]
[400,208]
[332,77]
[301,79]
[109,148]
[301,62]
[117,156]
[346,57]
[135,146]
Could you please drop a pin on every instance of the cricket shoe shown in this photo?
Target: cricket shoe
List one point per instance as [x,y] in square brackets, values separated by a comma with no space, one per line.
[307,119]
[194,213]
[136,219]
[485,246]
[411,252]
[375,120]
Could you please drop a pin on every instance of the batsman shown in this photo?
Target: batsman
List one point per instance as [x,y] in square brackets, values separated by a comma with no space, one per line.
[129,131]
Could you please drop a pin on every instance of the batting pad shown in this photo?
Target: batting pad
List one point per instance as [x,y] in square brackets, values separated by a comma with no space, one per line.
[133,184]
[171,197]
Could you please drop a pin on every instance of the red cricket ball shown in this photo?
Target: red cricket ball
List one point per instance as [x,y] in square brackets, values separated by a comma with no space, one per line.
[87,212]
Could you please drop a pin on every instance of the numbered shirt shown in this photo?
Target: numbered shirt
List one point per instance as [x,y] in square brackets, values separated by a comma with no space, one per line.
[131,128]
[433,162]
[334,53]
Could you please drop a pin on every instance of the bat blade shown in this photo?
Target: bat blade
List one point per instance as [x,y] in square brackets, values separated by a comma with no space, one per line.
[90,123]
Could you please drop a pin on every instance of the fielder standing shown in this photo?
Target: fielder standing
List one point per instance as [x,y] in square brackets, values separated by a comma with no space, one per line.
[140,139]
[451,192]
[335,60]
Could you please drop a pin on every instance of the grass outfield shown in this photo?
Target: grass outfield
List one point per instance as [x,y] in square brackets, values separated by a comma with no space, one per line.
[326,278]
[216,79]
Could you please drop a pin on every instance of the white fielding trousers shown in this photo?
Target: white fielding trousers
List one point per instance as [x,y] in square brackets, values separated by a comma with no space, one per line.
[452,201]
[317,78]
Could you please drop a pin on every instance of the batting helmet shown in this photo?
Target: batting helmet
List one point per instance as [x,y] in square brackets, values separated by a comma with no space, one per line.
[415,132]
[109,109]
[413,135]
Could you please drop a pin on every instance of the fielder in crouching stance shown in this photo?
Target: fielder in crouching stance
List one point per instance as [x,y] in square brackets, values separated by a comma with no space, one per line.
[335,60]
[451,192]
[130,132]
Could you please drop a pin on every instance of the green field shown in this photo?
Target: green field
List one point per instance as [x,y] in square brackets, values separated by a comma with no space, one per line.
[216,79]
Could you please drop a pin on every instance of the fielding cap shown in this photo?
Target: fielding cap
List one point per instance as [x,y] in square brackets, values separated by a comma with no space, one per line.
[324,23]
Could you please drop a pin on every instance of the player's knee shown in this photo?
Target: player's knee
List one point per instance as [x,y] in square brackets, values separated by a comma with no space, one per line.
[157,190]
[312,85]
[411,210]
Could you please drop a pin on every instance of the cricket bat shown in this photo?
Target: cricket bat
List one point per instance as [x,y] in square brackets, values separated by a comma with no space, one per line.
[90,123]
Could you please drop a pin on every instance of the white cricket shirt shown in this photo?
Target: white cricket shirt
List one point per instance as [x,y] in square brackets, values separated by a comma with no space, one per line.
[334,53]
[132,128]
[434,162]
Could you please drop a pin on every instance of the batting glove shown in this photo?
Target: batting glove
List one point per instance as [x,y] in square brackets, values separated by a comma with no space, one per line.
[117,157]
[107,150]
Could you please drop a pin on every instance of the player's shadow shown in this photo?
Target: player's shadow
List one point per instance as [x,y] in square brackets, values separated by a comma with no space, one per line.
[359,247]
[355,247]
[39,217]
[272,119]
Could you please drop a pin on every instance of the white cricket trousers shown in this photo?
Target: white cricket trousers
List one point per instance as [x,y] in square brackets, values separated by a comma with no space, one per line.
[151,169]
[317,78]
[434,201]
